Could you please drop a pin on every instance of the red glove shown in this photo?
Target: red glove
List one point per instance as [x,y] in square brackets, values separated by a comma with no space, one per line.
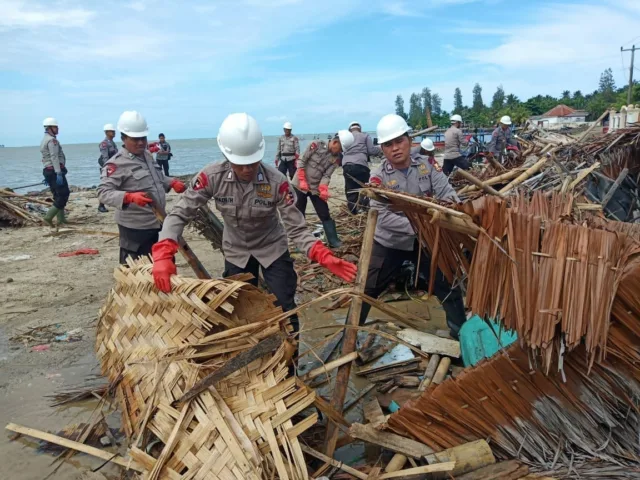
[324,192]
[297,156]
[277,161]
[153,147]
[302,177]
[139,198]
[163,264]
[178,186]
[341,268]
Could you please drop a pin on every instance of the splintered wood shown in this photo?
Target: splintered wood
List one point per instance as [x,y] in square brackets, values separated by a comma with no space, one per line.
[155,347]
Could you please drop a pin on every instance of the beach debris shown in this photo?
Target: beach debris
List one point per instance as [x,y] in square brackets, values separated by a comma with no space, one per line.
[81,251]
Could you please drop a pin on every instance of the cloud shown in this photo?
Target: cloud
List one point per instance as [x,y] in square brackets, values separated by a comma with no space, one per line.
[397,9]
[18,14]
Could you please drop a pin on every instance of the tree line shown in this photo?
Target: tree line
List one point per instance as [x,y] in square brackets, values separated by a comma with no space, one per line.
[479,114]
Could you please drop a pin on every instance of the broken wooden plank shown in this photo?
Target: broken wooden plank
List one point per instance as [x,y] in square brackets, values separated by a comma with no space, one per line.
[390,441]
[373,412]
[80,447]
[535,168]
[429,372]
[326,408]
[391,373]
[349,405]
[380,368]
[430,343]
[351,334]
[468,457]
[614,188]
[407,381]
[371,338]
[330,366]
[373,353]
[509,470]
[440,467]
[234,364]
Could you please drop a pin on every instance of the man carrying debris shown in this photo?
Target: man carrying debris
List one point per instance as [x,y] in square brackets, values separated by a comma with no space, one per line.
[133,183]
[395,243]
[258,208]
[108,149]
[355,165]
[500,138]
[313,176]
[454,142]
[288,151]
[54,171]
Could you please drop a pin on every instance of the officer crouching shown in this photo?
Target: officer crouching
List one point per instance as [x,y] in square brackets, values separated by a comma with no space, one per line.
[133,183]
[395,240]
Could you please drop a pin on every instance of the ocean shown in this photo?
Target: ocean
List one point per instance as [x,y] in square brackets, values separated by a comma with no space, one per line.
[23,166]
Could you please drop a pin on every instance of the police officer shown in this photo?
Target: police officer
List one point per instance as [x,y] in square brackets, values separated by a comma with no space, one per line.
[288,151]
[54,171]
[312,179]
[108,149]
[395,241]
[500,138]
[259,212]
[454,142]
[164,154]
[132,182]
[355,165]
[428,150]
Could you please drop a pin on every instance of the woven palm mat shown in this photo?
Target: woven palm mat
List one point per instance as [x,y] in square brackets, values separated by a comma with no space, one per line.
[156,346]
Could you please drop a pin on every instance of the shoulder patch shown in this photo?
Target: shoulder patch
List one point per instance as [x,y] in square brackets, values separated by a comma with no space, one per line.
[375,180]
[111,169]
[200,182]
[260,177]
[313,146]
[55,142]
[388,167]
[103,145]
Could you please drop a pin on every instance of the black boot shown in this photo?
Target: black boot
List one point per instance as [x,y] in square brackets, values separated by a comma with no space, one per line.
[102,208]
[331,233]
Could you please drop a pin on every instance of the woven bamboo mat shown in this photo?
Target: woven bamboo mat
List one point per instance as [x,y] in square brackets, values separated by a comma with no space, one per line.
[156,346]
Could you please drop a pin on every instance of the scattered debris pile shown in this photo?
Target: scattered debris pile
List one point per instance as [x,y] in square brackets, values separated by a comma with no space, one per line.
[18,210]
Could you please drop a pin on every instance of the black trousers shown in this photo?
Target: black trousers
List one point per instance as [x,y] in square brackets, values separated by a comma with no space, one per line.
[320,206]
[287,167]
[165,166]
[136,243]
[280,276]
[60,192]
[384,267]
[361,173]
[460,162]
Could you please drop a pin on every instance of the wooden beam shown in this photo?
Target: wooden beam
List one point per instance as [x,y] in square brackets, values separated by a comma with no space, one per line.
[335,463]
[351,334]
[477,182]
[380,368]
[595,124]
[80,447]
[373,412]
[430,343]
[535,168]
[338,362]
[582,175]
[614,188]
[439,467]
[468,457]
[348,406]
[390,441]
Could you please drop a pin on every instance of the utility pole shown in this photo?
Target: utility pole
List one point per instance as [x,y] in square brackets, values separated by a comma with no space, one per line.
[633,51]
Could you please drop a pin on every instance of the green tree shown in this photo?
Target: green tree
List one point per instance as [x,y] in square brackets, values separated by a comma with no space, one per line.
[436,105]
[415,111]
[607,86]
[478,104]
[565,97]
[540,104]
[400,107]
[577,100]
[457,101]
[512,100]
[498,99]
[425,96]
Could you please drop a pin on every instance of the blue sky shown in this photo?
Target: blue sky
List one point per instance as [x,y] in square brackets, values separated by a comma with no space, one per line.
[319,64]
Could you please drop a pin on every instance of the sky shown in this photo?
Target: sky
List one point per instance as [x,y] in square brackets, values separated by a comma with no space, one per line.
[318,64]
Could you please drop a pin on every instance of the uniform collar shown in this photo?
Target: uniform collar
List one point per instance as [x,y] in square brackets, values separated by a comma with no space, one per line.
[388,166]
[261,177]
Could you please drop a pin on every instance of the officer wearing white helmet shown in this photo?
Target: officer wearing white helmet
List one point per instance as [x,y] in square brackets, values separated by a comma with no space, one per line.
[395,241]
[132,182]
[288,151]
[312,179]
[355,165]
[500,138]
[454,143]
[54,171]
[258,207]
[428,150]
[108,149]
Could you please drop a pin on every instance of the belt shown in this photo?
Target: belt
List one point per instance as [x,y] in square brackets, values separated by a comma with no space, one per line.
[287,154]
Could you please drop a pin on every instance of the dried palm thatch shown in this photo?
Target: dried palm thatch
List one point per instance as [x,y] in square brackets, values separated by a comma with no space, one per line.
[156,346]
[15,211]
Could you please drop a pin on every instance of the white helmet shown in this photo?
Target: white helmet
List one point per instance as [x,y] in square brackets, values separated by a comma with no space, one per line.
[132,124]
[354,124]
[287,125]
[49,122]
[506,120]
[346,139]
[109,127]
[428,145]
[240,139]
[391,126]
[456,118]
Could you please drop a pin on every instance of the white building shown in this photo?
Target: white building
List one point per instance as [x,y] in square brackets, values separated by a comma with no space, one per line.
[627,116]
[560,116]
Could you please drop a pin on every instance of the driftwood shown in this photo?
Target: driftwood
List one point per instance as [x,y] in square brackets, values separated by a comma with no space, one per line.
[390,441]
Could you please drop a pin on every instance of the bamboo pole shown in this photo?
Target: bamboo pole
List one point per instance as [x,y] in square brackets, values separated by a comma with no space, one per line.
[351,334]
[526,174]
[478,183]
[494,180]
[442,370]
[422,132]
[429,372]
[582,175]
[396,463]
[316,372]
[595,124]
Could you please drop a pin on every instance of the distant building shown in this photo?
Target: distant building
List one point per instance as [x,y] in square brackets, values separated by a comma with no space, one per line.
[560,116]
[629,115]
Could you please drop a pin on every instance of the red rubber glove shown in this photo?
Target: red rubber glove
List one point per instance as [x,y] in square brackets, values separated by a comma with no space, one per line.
[277,162]
[323,190]
[163,264]
[139,198]
[302,177]
[340,268]
[297,156]
[178,186]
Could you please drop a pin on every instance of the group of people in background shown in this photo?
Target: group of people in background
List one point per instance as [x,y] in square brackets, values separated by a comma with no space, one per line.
[264,207]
